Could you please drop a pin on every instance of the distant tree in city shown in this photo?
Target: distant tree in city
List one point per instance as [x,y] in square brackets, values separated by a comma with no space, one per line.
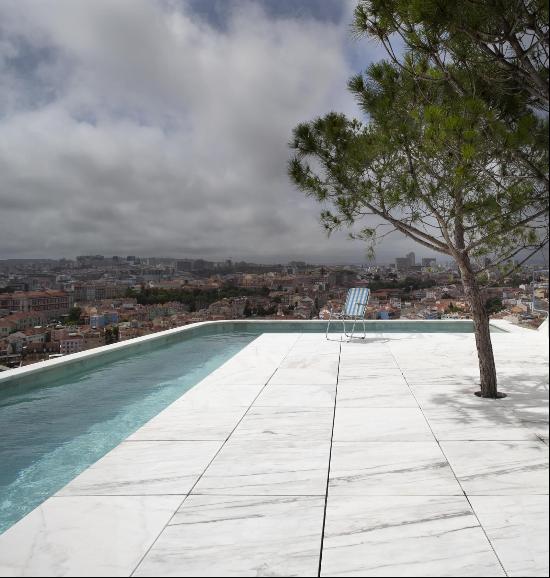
[74,315]
[111,334]
[425,166]
[452,308]
[494,305]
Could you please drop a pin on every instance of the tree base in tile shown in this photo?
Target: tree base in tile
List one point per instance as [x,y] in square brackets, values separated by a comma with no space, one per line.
[499,395]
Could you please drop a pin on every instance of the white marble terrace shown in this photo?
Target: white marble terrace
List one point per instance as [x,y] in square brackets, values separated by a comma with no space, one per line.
[302,457]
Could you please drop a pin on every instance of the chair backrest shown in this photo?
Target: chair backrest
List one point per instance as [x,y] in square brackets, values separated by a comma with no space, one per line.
[356,302]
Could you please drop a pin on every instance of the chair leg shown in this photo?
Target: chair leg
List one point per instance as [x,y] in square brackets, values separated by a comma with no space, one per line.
[330,320]
[352,333]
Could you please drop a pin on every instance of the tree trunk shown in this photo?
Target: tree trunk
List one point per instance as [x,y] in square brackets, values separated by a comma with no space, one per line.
[487,370]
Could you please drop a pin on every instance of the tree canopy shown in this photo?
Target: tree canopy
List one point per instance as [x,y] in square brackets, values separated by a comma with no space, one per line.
[424,164]
[495,51]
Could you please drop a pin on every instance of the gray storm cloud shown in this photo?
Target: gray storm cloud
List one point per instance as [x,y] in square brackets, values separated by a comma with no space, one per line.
[138,127]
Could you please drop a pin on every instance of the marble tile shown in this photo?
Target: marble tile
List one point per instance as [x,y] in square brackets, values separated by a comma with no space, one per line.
[259,467]
[458,395]
[535,419]
[499,467]
[380,424]
[140,468]
[327,362]
[453,397]
[375,344]
[380,359]
[85,536]
[289,376]
[405,536]
[241,375]
[483,422]
[372,373]
[366,353]
[239,536]
[183,421]
[394,468]
[315,347]
[307,396]
[255,363]
[441,383]
[219,395]
[517,527]
[286,423]
[365,393]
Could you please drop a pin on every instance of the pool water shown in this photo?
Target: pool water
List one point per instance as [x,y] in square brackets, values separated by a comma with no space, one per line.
[57,422]
[52,432]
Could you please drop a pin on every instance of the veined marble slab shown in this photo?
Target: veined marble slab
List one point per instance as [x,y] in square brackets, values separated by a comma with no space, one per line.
[315,347]
[216,395]
[307,396]
[260,467]
[454,396]
[239,536]
[483,422]
[296,376]
[372,372]
[85,536]
[141,468]
[499,467]
[374,361]
[321,363]
[442,381]
[298,369]
[371,393]
[293,423]
[375,345]
[182,421]
[255,363]
[390,469]
[517,527]
[380,424]
[405,536]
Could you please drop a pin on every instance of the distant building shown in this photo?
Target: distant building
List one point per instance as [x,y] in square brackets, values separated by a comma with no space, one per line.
[429,261]
[402,264]
[72,343]
[184,265]
[48,303]
[406,263]
[97,321]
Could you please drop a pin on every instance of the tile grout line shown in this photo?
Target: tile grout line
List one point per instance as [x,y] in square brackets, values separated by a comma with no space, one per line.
[328,470]
[212,460]
[450,466]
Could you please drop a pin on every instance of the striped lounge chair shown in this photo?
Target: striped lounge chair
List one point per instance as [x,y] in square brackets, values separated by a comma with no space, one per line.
[354,310]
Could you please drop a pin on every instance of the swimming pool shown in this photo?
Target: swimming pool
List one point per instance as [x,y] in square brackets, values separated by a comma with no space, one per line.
[61,418]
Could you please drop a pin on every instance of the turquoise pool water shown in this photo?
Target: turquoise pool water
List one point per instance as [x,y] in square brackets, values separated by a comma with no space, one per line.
[53,429]
[54,424]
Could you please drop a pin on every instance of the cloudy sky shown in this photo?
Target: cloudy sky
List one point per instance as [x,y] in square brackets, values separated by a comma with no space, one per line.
[161,127]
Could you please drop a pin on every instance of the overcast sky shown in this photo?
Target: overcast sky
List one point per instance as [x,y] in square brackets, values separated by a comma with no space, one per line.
[149,127]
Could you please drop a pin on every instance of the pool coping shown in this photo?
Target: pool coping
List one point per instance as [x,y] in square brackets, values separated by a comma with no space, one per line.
[72,358]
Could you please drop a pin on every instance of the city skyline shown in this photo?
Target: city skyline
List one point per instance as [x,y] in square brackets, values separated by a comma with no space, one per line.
[421,256]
